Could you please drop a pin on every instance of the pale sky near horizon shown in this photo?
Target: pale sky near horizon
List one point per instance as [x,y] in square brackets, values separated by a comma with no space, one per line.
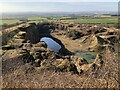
[57,6]
[60,1]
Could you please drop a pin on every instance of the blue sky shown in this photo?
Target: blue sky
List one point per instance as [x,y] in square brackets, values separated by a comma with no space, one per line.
[58,6]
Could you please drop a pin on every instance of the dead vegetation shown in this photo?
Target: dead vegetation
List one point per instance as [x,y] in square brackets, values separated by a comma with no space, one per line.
[25,76]
[17,74]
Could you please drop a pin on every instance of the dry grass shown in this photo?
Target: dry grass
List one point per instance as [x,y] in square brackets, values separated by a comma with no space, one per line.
[18,75]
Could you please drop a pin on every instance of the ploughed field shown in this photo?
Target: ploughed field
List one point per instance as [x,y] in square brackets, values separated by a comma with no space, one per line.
[61,55]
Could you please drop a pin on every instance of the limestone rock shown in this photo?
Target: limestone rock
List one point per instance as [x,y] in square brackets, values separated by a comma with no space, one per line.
[38,49]
[27,46]
[74,34]
[40,44]
[17,43]
[7,47]
[37,62]
[92,43]
[26,57]
[78,61]
[99,60]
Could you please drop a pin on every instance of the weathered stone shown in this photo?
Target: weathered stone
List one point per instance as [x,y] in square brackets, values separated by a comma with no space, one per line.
[51,55]
[27,46]
[59,65]
[26,57]
[37,55]
[78,61]
[99,60]
[7,47]
[74,34]
[38,49]
[40,44]
[17,43]
[37,62]
[92,43]
[22,33]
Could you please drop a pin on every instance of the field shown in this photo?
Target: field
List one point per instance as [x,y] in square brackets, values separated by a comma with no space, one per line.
[9,22]
[95,20]
[110,21]
[36,18]
[13,21]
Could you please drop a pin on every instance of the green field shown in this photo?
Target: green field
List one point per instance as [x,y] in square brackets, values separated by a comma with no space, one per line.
[37,19]
[108,20]
[11,21]
[95,20]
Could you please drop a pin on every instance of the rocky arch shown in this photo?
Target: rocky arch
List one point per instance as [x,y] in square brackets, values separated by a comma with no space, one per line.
[34,32]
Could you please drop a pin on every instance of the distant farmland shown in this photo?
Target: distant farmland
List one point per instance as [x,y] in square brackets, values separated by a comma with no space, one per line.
[109,20]
[95,20]
[9,21]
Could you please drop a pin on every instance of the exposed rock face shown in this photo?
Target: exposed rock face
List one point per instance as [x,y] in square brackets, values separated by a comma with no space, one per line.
[58,65]
[74,34]
[78,61]
[99,60]
[93,43]
[37,54]
[95,30]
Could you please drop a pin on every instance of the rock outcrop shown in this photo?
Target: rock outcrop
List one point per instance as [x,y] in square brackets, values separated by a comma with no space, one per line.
[74,34]
[92,43]
[27,42]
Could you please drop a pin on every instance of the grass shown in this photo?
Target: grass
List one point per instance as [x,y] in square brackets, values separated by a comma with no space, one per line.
[36,18]
[95,20]
[89,56]
[11,21]
[18,75]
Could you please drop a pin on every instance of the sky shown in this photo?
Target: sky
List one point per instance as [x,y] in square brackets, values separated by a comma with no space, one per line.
[59,0]
[58,6]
